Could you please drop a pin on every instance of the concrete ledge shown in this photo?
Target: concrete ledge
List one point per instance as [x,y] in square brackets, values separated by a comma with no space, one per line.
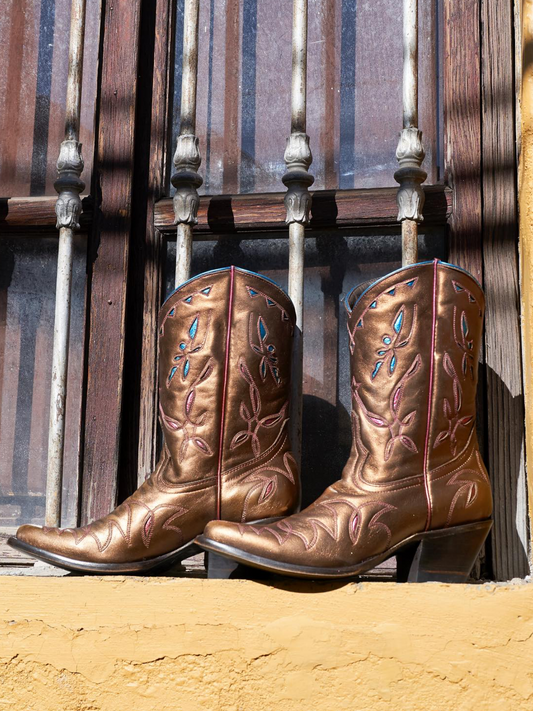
[115,644]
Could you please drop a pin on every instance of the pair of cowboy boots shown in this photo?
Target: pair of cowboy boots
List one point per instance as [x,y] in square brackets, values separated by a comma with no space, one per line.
[414,485]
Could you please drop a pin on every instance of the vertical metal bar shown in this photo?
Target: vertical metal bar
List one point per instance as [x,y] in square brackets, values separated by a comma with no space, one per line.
[187,157]
[298,158]
[68,210]
[410,152]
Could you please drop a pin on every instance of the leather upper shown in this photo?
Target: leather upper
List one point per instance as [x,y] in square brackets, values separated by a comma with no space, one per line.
[225,340]
[414,339]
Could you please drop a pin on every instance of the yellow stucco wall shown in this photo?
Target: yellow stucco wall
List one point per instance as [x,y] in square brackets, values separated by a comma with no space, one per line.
[120,644]
[526,223]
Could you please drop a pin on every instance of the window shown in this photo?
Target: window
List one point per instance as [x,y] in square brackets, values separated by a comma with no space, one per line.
[354,116]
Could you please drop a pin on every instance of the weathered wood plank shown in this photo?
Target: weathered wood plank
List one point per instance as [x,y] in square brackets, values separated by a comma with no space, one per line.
[109,256]
[226,214]
[154,243]
[35,216]
[505,402]
[462,131]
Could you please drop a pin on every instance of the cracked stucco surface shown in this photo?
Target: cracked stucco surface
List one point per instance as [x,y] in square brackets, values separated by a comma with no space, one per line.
[90,644]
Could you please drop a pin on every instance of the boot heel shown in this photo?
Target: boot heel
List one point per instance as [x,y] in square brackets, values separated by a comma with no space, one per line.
[446,555]
[218,567]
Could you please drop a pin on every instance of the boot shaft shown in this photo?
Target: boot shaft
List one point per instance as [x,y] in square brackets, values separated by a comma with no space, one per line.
[415,339]
[225,342]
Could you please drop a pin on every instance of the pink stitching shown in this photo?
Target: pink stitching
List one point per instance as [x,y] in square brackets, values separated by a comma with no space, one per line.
[224,391]
[468,486]
[454,421]
[173,425]
[188,349]
[396,427]
[430,395]
[387,352]
[267,351]
[270,302]
[254,424]
[171,313]
[390,291]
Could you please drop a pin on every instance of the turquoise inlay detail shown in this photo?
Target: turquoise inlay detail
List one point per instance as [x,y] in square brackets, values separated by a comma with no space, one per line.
[360,324]
[263,369]
[410,283]
[172,312]
[188,300]
[276,374]
[457,286]
[397,325]
[172,373]
[381,353]
[186,369]
[471,299]
[183,346]
[270,349]
[373,305]
[194,328]
[262,329]
[464,325]
[392,364]
[206,290]
[270,302]
[252,292]
[392,291]
[376,368]
[178,357]
[387,340]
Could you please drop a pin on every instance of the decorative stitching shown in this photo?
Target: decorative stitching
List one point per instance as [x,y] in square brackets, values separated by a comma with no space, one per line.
[465,345]
[173,425]
[316,525]
[459,288]
[269,484]
[254,293]
[397,426]
[387,352]
[187,348]
[147,526]
[430,395]
[186,300]
[454,420]
[390,291]
[254,424]
[267,351]
[468,486]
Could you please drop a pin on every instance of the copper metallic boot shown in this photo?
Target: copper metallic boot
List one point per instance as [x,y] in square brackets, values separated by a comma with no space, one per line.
[415,485]
[225,352]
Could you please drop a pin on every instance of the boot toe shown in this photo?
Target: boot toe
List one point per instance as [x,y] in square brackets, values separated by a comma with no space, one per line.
[32,535]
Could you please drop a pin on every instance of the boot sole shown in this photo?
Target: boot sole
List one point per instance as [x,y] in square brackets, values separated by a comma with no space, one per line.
[444,555]
[162,562]
[158,564]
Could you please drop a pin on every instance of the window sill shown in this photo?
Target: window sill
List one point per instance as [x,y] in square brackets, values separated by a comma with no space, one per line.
[176,643]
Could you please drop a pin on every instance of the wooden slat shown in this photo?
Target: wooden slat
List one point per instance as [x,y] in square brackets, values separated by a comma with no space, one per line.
[242,213]
[153,240]
[505,404]
[110,253]
[462,131]
[35,216]
[226,214]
